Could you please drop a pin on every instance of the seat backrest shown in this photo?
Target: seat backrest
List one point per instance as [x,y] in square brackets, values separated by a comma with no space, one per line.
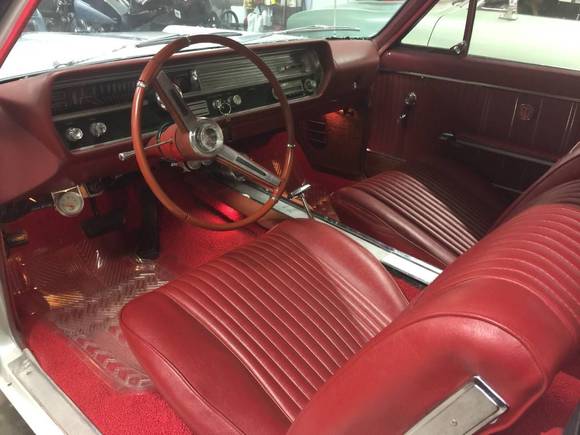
[565,170]
[507,311]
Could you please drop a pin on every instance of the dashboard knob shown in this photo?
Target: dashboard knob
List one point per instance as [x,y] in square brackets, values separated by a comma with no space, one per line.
[73,134]
[236,100]
[98,129]
[217,104]
[310,85]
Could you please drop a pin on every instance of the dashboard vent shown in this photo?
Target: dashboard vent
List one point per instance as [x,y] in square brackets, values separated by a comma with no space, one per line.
[316,133]
[229,74]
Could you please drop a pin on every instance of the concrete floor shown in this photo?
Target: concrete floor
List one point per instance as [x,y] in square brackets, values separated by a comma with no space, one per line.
[10,421]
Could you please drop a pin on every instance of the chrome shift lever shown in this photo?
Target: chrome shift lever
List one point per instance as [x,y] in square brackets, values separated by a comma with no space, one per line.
[301,193]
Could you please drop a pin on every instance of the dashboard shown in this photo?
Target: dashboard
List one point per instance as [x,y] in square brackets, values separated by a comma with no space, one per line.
[66,128]
[93,111]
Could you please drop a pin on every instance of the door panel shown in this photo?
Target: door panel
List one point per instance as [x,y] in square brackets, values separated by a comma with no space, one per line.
[510,135]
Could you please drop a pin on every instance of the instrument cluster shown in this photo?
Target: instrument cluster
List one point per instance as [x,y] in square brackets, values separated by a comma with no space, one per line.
[94,111]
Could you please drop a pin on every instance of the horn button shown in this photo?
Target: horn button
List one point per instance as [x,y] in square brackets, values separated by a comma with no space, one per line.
[207,139]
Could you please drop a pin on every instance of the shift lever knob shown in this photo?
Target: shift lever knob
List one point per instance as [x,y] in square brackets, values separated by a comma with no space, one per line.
[300,193]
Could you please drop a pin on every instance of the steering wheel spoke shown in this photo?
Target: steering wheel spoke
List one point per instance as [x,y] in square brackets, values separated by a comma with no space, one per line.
[246,166]
[174,102]
[192,139]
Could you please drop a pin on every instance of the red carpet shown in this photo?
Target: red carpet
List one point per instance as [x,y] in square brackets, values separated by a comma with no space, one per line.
[116,411]
[112,411]
[554,409]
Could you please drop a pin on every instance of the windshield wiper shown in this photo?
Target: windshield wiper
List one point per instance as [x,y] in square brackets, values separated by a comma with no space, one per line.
[166,39]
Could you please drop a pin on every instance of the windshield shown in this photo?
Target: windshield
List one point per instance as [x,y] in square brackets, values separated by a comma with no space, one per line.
[63,33]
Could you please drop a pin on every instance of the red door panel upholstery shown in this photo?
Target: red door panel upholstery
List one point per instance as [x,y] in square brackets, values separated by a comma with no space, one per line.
[510,136]
[560,184]
[492,115]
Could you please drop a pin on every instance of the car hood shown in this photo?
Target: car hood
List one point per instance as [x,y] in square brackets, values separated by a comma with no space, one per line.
[37,52]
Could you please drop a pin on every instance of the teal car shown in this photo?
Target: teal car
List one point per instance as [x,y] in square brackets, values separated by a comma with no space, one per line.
[443,26]
[367,16]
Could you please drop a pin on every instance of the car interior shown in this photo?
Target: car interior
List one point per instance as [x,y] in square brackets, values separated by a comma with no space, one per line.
[312,236]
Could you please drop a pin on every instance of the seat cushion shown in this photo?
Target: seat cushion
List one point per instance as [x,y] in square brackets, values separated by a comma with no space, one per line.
[244,342]
[434,211]
[507,311]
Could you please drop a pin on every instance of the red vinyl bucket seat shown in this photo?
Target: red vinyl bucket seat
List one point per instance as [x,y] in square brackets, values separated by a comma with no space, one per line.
[303,332]
[439,210]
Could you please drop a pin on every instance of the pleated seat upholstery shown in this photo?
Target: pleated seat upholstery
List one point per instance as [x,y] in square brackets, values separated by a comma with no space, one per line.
[303,332]
[433,212]
[276,319]
[436,211]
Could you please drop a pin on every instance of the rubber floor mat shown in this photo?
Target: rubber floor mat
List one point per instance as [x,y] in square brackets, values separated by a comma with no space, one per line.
[85,286]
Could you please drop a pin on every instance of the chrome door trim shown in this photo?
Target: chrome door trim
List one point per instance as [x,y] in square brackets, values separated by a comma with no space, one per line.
[481,84]
[450,137]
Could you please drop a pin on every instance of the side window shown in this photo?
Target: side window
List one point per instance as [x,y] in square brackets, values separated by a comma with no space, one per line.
[540,32]
[442,27]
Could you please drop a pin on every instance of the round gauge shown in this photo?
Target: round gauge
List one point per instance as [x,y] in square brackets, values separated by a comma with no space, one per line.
[69,203]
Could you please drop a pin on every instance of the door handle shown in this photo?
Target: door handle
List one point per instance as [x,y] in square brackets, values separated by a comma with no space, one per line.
[408,103]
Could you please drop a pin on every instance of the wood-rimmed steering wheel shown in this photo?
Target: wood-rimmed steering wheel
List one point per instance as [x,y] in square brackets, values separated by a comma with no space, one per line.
[200,139]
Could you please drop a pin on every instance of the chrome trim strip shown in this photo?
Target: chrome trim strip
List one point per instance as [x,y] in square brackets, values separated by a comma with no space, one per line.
[111,143]
[482,84]
[390,257]
[451,137]
[91,112]
[466,411]
[199,107]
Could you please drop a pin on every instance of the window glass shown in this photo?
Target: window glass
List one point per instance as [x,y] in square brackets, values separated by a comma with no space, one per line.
[63,33]
[541,32]
[442,27]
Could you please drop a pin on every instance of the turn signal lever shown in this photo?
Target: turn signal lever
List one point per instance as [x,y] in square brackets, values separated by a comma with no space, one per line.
[301,193]
[130,154]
